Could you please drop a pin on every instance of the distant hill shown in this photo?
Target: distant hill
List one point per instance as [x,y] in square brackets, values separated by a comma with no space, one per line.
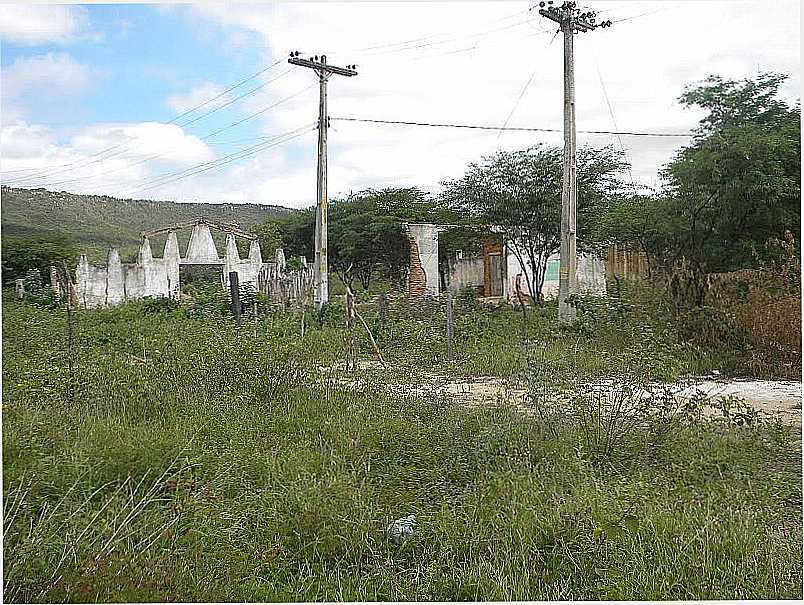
[96,222]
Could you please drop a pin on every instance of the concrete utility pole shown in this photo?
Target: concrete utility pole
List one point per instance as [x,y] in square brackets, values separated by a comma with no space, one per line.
[321,266]
[571,20]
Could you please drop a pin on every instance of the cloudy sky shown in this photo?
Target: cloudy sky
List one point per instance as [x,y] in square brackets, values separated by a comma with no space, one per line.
[130,99]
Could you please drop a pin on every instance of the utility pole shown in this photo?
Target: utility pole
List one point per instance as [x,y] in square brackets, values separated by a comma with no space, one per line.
[571,20]
[321,266]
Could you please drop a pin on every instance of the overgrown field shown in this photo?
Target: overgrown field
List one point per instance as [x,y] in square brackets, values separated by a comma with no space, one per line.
[190,460]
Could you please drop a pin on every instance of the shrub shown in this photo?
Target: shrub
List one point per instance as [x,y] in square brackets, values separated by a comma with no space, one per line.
[160,304]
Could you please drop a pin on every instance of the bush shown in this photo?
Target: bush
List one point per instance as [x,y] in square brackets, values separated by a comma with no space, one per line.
[22,253]
[710,327]
[161,304]
[205,300]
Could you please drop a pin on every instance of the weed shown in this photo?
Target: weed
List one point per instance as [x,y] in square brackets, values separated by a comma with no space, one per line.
[199,462]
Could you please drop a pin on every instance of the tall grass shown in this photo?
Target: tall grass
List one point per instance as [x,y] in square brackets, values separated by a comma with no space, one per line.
[202,463]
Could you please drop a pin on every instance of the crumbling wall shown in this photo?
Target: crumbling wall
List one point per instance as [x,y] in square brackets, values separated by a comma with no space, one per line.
[423,274]
[465,272]
[118,282]
[171,259]
[115,282]
[286,286]
[91,284]
[201,249]
[591,272]
[161,277]
[248,269]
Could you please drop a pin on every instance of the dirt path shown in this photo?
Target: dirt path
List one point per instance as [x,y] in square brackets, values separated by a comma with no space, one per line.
[779,398]
[776,397]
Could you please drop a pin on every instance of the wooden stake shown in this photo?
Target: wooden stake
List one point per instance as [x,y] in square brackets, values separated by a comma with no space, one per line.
[449,324]
[368,330]
[234,294]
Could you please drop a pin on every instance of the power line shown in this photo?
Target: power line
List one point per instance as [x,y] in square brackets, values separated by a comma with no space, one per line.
[71,165]
[614,120]
[203,138]
[220,163]
[516,104]
[231,88]
[243,96]
[166,179]
[453,39]
[513,128]
[431,36]
[257,113]
[522,94]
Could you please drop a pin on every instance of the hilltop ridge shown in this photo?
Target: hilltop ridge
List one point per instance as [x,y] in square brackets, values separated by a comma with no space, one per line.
[96,222]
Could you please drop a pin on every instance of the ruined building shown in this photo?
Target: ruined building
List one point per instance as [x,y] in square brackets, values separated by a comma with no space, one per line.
[157,277]
[492,271]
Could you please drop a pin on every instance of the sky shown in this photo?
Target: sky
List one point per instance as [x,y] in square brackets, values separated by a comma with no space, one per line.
[131,100]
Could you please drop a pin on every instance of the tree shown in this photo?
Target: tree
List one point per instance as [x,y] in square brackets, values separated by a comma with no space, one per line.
[21,253]
[269,235]
[640,222]
[367,232]
[366,236]
[739,183]
[298,233]
[519,193]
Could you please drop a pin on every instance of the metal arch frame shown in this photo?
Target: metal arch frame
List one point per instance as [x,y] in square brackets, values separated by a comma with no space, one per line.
[225,228]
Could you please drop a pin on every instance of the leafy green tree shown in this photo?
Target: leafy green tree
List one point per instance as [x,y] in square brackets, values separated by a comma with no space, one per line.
[519,193]
[366,236]
[269,235]
[21,253]
[739,183]
[641,222]
[298,233]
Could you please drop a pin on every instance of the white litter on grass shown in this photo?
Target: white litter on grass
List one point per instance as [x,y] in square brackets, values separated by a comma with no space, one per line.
[401,529]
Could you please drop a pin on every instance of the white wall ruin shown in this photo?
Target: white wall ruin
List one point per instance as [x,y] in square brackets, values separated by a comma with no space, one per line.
[423,276]
[117,282]
[469,270]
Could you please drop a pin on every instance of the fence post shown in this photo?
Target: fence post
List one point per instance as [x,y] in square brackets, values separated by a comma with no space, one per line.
[70,350]
[234,294]
[350,325]
[383,309]
[449,324]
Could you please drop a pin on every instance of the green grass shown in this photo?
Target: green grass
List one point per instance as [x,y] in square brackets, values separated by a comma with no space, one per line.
[223,468]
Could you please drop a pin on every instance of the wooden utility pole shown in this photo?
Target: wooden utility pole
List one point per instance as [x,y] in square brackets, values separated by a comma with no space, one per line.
[572,21]
[321,265]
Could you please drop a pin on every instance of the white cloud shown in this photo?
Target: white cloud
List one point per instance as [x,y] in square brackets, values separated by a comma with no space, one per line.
[50,75]
[467,63]
[33,24]
[100,158]
[198,95]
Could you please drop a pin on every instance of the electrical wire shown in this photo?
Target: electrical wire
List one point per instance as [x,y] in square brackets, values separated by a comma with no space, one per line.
[512,128]
[430,36]
[238,98]
[167,177]
[126,150]
[163,154]
[522,94]
[40,172]
[516,104]
[614,121]
[249,151]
